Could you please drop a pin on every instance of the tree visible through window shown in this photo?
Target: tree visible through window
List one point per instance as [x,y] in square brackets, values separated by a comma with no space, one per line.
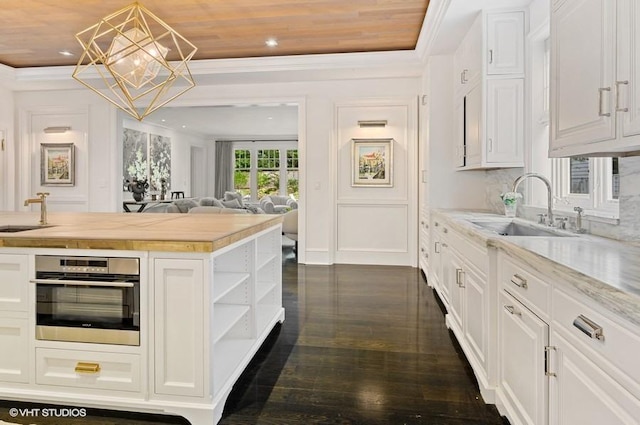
[292,172]
[242,172]
[268,172]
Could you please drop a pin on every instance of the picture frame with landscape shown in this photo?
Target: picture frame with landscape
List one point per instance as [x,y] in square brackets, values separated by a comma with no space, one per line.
[57,164]
[372,162]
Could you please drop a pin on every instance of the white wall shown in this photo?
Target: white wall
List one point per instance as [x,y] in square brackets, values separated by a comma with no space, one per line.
[447,188]
[317,102]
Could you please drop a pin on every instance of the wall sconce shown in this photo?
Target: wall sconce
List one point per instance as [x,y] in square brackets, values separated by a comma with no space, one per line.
[126,60]
[372,123]
[61,129]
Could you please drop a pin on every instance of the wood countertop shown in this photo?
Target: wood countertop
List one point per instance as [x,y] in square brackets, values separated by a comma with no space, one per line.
[140,232]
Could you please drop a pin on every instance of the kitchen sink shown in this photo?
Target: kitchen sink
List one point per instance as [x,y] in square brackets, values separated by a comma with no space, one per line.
[15,229]
[510,228]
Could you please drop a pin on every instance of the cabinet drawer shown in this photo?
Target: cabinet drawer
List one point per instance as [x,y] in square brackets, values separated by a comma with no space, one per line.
[618,345]
[470,251]
[87,369]
[521,282]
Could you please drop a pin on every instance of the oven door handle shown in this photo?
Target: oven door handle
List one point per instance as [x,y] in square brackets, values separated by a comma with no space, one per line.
[82,283]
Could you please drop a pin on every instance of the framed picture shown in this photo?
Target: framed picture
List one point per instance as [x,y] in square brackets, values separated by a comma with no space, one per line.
[372,162]
[57,164]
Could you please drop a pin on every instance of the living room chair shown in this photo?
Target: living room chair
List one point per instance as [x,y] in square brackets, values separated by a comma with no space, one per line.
[290,228]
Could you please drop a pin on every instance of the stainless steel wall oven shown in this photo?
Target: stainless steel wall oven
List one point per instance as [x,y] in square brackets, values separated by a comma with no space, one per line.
[88,299]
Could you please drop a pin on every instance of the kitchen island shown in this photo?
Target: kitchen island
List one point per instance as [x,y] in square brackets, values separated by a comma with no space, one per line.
[210,292]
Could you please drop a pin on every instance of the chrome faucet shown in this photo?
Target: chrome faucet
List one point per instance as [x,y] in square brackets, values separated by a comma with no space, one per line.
[42,200]
[547,183]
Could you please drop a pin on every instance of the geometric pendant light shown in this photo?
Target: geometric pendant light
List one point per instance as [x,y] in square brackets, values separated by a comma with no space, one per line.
[135,61]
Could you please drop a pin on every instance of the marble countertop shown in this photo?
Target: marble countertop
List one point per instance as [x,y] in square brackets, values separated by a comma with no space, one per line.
[606,270]
[140,232]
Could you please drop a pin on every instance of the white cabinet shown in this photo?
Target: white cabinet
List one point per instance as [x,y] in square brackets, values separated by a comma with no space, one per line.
[14,319]
[524,386]
[505,103]
[179,326]
[14,358]
[489,110]
[424,243]
[505,43]
[595,94]
[467,60]
[595,362]
[461,283]
[14,282]
[583,393]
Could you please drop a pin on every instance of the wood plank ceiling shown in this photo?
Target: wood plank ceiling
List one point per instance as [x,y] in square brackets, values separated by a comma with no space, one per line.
[33,32]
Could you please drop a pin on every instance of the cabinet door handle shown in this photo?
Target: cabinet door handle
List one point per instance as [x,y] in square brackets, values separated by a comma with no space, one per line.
[519,281]
[589,327]
[436,247]
[84,367]
[445,230]
[547,360]
[512,310]
[460,277]
[490,56]
[490,144]
[463,76]
[618,108]
[600,98]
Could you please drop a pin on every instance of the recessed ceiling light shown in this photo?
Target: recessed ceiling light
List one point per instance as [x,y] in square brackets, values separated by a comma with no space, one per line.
[271,42]
[65,53]
[269,118]
[184,126]
[163,120]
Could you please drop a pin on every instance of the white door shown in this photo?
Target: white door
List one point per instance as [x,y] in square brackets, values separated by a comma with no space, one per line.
[522,340]
[505,43]
[582,73]
[582,393]
[628,81]
[505,120]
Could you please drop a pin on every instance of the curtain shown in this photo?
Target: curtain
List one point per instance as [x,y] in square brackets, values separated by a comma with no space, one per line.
[224,168]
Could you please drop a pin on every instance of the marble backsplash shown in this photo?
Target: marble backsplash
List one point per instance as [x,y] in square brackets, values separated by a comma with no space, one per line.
[628,227]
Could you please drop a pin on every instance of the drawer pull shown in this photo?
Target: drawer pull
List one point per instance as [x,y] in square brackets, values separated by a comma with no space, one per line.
[436,247]
[460,277]
[511,309]
[589,327]
[445,230]
[519,281]
[84,367]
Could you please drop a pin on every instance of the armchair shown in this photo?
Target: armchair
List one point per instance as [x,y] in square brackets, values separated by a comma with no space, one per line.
[275,204]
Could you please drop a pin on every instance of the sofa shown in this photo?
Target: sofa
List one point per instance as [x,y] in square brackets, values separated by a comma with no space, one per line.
[276,204]
[231,206]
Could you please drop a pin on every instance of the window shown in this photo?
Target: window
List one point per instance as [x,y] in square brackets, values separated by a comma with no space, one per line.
[242,172]
[268,172]
[590,183]
[292,173]
[266,168]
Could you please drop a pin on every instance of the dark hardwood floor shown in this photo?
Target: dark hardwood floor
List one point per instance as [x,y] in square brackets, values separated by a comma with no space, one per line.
[359,345]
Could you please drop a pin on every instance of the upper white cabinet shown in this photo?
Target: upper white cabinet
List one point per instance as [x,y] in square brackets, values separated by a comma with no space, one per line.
[489,105]
[595,72]
[468,59]
[505,43]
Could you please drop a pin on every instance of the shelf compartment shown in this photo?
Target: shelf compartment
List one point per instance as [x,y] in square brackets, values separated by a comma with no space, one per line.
[225,282]
[264,288]
[225,318]
[228,355]
[264,258]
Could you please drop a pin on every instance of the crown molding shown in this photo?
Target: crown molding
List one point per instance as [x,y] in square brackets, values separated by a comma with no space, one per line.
[431,27]
[392,64]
